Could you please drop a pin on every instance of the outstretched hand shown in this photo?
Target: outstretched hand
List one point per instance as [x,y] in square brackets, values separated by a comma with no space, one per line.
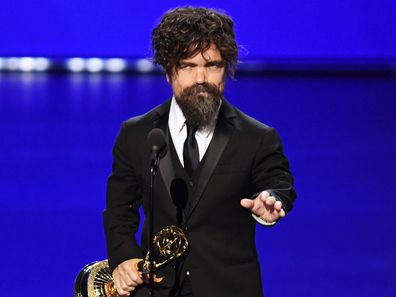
[265,206]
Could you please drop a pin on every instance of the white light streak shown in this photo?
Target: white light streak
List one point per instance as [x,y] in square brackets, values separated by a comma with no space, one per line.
[76,64]
[144,65]
[41,64]
[26,64]
[94,65]
[115,65]
[12,64]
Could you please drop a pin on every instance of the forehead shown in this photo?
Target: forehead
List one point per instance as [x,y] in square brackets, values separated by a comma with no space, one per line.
[211,54]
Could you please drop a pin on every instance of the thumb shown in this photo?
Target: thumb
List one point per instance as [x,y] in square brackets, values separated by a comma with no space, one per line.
[247,203]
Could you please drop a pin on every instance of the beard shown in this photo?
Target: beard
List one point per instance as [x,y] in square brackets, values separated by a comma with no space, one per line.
[200,104]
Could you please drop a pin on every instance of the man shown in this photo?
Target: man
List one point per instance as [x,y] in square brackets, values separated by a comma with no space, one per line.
[233,165]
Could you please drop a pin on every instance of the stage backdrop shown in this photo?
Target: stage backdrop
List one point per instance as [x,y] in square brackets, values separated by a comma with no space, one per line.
[267,29]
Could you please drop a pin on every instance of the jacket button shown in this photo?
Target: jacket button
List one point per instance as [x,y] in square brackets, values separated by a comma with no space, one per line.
[191,183]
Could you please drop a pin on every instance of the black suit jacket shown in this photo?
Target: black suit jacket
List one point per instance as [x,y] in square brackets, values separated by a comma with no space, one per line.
[244,157]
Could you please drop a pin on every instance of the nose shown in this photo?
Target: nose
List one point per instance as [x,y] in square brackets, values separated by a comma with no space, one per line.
[200,75]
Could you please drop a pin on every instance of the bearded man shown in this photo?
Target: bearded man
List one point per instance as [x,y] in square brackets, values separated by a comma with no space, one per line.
[234,166]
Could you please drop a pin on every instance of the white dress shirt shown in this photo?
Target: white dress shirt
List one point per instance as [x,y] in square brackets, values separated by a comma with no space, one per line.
[178,130]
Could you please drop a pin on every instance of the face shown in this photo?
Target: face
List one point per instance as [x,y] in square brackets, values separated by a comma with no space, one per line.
[198,85]
[205,67]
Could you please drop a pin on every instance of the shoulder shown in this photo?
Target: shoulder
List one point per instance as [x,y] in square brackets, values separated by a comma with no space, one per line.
[146,120]
[132,136]
[249,130]
[247,124]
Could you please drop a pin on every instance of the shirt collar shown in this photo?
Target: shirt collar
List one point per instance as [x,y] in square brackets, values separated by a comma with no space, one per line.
[177,119]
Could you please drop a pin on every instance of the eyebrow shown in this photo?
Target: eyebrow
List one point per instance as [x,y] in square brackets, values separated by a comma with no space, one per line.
[218,63]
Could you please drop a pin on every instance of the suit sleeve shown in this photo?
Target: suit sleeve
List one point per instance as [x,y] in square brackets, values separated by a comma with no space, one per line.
[123,199]
[271,170]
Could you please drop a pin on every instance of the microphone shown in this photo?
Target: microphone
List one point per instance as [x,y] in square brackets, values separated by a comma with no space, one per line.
[157,143]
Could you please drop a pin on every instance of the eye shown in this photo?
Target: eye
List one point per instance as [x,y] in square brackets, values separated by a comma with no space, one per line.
[185,66]
[215,66]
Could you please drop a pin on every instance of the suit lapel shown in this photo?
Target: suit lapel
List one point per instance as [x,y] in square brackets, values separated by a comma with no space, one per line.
[222,134]
[166,169]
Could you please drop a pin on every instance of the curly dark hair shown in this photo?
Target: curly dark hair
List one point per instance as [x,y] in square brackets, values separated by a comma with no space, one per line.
[186,31]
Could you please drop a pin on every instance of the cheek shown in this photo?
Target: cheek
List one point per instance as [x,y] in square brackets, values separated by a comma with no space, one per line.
[220,85]
[177,88]
[218,80]
[179,84]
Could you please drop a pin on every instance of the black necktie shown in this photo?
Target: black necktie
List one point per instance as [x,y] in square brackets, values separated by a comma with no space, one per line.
[190,152]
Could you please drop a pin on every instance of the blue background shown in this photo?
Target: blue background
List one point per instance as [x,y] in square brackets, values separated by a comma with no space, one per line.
[267,29]
[338,130]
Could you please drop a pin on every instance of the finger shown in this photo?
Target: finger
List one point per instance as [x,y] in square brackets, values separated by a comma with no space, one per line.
[131,282]
[270,201]
[139,280]
[282,213]
[264,195]
[127,282]
[278,205]
[269,217]
[131,277]
[120,289]
[117,284]
[135,278]
[126,288]
[247,203]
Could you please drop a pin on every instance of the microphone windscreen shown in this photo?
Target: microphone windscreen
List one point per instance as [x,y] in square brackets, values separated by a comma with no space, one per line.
[156,137]
[179,192]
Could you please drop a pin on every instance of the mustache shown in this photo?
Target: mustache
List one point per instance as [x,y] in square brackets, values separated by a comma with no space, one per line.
[195,89]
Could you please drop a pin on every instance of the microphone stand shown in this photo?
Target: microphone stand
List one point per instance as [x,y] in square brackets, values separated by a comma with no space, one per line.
[153,170]
[179,194]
